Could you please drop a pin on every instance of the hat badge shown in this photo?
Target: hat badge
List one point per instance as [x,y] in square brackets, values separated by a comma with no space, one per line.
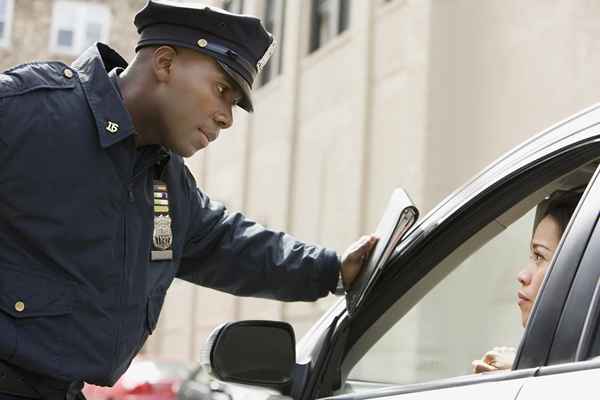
[265,58]
[202,43]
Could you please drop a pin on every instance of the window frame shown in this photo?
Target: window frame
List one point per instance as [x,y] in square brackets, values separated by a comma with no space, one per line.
[5,40]
[513,179]
[237,4]
[461,231]
[274,67]
[341,12]
[391,284]
[86,13]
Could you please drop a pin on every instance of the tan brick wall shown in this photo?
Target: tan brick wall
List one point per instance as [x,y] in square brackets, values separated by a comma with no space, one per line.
[30,36]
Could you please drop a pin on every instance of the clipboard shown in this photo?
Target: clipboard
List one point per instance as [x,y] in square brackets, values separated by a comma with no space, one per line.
[399,216]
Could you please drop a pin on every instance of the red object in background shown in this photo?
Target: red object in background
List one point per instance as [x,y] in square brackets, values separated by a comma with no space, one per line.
[145,379]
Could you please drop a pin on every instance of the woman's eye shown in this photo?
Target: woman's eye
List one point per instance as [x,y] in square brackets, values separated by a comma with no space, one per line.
[536,257]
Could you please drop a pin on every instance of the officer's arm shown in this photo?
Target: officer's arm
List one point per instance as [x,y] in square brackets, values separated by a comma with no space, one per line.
[228,252]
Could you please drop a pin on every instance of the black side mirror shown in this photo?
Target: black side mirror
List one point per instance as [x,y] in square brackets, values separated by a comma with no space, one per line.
[253,352]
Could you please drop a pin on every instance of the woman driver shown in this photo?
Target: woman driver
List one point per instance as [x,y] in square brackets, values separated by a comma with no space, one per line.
[551,220]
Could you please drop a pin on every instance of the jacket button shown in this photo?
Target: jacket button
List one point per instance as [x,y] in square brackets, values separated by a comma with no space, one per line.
[68,73]
[19,306]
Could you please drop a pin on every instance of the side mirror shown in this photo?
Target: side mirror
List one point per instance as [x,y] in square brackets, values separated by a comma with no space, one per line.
[253,352]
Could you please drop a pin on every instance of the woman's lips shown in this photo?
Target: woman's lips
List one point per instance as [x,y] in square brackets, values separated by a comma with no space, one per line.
[522,298]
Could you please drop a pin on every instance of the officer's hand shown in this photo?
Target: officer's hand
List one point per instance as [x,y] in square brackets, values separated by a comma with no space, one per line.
[354,258]
[500,358]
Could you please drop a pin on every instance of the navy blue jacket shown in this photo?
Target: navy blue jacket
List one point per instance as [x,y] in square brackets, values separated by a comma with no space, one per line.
[79,294]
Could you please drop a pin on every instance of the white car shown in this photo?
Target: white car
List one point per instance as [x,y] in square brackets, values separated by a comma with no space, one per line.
[373,352]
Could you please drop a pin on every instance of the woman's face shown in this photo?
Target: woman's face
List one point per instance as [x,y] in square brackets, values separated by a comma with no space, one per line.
[543,244]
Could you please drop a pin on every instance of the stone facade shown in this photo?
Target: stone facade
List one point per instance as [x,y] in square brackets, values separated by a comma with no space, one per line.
[31,26]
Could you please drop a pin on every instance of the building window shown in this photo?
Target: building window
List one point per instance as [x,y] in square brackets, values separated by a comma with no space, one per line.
[234,6]
[77,25]
[274,20]
[329,18]
[6,11]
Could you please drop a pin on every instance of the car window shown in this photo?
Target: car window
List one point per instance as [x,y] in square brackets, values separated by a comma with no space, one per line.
[471,311]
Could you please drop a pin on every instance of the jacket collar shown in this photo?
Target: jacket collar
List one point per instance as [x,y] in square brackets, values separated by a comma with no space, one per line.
[113,121]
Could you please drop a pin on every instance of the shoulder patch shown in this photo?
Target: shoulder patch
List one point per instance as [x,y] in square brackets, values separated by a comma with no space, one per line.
[34,76]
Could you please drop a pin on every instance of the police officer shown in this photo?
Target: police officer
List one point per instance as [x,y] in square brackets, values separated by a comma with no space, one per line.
[98,213]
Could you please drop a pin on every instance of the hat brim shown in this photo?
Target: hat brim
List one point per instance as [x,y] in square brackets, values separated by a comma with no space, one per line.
[246,101]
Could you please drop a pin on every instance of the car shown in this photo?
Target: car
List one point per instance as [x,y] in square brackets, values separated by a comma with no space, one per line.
[145,379]
[199,385]
[448,294]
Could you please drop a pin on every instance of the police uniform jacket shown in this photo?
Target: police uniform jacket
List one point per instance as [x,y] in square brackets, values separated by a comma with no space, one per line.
[79,293]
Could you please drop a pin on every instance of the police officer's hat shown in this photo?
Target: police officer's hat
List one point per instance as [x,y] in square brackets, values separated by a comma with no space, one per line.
[239,43]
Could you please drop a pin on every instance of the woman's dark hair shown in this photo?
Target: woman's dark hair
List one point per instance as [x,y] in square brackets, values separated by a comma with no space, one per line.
[560,205]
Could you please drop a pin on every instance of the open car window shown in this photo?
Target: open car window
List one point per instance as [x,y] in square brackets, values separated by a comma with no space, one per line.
[464,307]
[471,311]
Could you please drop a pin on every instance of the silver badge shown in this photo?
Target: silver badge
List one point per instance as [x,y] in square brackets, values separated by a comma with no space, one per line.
[163,236]
[265,58]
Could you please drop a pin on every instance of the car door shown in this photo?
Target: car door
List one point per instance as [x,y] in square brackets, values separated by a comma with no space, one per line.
[572,311]
[565,155]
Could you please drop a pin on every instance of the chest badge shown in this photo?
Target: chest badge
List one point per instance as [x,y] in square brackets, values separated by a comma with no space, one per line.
[162,238]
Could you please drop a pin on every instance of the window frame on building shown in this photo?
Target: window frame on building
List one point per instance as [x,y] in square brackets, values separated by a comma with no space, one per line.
[276,26]
[339,10]
[82,16]
[5,38]
[233,6]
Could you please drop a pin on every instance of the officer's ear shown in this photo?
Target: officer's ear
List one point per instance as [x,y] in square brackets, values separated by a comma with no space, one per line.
[162,62]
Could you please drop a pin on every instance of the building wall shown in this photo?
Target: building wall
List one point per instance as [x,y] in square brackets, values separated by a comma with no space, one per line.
[30,36]
[416,93]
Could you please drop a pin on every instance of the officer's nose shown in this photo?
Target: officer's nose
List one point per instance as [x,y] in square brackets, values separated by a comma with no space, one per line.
[224,118]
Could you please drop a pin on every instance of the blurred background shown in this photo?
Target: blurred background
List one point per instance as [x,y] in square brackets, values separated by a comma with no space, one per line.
[360,97]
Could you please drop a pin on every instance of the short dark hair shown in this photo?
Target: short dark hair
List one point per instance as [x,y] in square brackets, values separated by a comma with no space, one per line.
[560,205]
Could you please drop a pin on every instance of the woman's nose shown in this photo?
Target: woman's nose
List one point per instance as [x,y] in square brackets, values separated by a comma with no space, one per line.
[524,277]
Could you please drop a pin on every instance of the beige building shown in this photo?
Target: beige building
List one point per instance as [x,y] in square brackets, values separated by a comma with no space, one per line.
[361,97]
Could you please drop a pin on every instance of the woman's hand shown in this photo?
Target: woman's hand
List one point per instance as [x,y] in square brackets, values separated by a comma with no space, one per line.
[499,358]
